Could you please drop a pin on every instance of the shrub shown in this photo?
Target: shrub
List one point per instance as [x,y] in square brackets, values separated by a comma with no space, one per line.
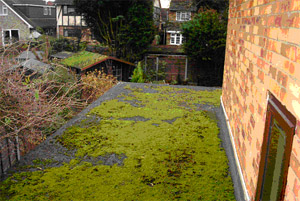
[138,74]
[95,84]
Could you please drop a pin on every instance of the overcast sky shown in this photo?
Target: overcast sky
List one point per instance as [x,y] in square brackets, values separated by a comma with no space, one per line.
[165,3]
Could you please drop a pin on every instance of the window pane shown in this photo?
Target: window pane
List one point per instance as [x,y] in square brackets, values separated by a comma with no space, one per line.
[65,9]
[183,16]
[273,178]
[45,11]
[49,11]
[177,38]
[6,37]
[15,35]
[178,16]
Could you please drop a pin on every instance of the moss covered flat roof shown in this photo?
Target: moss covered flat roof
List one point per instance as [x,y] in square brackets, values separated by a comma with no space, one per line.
[83,59]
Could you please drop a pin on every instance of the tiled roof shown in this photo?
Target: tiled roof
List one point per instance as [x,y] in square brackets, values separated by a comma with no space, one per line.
[44,22]
[182,5]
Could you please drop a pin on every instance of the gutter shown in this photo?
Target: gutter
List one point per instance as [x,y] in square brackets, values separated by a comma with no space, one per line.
[247,197]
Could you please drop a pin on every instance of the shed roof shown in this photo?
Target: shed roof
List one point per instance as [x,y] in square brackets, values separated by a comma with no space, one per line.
[84,60]
[182,5]
[26,55]
[33,65]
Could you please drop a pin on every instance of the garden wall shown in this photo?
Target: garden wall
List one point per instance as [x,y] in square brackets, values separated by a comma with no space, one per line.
[262,58]
[174,66]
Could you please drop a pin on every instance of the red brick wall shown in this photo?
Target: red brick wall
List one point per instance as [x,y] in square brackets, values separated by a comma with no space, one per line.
[262,55]
[174,66]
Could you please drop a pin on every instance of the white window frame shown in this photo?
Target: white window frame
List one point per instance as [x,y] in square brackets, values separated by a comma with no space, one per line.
[49,11]
[176,39]
[4,10]
[183,15]
[10,36]
[45,10]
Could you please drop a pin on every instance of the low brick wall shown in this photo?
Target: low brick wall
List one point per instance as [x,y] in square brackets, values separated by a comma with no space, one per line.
[262,56]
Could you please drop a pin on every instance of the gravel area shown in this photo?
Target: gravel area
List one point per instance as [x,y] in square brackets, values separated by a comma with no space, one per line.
[51,150]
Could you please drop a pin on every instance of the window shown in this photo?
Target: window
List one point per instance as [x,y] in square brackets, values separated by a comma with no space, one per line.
[176,39]
[3,10]
[183,16]
[72,32]
[10,36]
[47,11]
[276,151]
[117,72]
[69,10]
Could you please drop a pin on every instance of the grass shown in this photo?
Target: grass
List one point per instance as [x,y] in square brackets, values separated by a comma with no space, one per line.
[172,152]
[83,59]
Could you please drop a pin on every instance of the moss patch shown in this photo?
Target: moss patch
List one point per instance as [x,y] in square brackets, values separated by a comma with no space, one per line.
[83,59]
[172,149]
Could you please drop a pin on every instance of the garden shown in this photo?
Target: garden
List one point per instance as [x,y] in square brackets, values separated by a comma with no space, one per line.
[146,142]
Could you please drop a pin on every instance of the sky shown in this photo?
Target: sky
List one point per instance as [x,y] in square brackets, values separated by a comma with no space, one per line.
[165,3]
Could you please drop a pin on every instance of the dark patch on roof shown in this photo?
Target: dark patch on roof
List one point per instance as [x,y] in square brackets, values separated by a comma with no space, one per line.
[182,5]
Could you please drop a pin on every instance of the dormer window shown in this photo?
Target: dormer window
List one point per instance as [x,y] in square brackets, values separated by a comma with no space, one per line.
[183,16]
[47,10]
[3,10]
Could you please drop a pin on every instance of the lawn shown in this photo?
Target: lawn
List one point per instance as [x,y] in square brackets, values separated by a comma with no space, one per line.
[161,146]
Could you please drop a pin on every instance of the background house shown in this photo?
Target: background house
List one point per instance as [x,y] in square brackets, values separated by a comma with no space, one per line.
[70,24]
[14,25]
[40,12]
[261,96]
[180,11]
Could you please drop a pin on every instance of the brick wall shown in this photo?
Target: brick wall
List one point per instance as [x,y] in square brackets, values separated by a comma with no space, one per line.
[174,66]
[262,56]
[12,21]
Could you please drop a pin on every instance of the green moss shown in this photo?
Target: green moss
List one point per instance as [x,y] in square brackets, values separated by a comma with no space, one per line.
[173,152]
[83,59]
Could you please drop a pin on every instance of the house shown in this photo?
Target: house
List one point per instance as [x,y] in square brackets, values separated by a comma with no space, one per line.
[179,12]
[40,12]
[261,96]
[14,25]
[19,19]
[85,61]
[70,24]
